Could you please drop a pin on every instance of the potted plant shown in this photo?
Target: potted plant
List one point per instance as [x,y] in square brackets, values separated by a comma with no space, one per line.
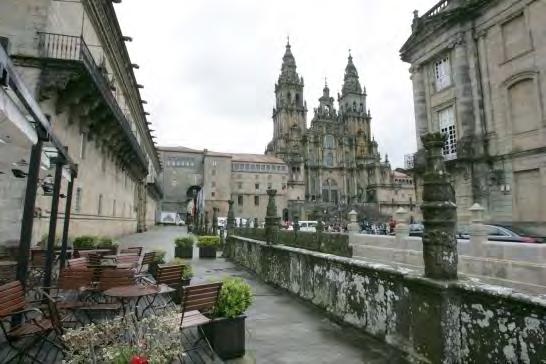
[84,242]
[208,244]
[159,258]
[105,242]
[226,332]
[184,247]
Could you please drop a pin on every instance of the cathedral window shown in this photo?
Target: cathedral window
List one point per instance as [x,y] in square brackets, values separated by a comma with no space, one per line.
[329,142]
[442,73]
[446,121]
[329,160]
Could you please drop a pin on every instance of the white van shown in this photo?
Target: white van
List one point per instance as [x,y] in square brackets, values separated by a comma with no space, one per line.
[310,226]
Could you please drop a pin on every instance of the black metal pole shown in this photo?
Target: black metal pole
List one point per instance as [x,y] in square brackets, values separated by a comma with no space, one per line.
[28,211]
[50,254]
[66,225]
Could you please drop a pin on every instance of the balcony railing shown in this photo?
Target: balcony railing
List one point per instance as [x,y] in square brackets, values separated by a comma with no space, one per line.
[74,48]
[439,7]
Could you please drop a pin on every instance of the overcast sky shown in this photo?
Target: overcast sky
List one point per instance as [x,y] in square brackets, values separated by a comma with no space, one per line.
[209,66]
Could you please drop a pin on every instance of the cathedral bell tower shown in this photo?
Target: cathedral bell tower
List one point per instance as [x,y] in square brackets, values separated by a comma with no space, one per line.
[352,109]
[289,118]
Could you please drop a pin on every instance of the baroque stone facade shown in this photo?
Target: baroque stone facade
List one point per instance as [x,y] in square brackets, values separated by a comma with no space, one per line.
[72,57]
[477,72]
[335,162]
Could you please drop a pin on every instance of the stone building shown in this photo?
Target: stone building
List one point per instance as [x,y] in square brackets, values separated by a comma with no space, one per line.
[335,163]
[73,58]
[477,69]
[243,178]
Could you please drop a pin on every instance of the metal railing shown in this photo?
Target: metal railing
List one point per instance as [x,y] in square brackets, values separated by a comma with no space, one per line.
[74,48]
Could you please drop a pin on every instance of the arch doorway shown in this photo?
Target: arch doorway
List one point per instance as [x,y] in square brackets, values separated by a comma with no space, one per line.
[329,191]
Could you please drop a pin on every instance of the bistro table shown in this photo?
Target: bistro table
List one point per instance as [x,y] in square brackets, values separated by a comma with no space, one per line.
[137,292]
[7,271]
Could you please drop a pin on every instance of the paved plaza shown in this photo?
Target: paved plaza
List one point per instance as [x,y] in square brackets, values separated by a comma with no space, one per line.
[280,327]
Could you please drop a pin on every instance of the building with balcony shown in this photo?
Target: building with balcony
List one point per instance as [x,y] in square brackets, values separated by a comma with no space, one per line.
[72,57]
[477,69]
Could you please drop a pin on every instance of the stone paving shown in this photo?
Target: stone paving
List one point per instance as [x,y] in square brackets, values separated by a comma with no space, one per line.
[280,327]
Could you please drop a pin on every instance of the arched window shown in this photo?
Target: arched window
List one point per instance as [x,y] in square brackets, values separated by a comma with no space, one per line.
[298,101]
[329,160]
[329,142]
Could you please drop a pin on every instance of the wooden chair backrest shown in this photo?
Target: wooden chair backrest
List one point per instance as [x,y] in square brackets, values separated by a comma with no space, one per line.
[12,298]
[132,249]
[77,263]
[93,259]
[114,277]
[54,315]
[74,279]
[148,258]
[128,259]
[200,297]
[171,275]
[38,257]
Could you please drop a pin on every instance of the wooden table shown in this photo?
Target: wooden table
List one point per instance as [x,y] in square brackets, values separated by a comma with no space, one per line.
[137,292]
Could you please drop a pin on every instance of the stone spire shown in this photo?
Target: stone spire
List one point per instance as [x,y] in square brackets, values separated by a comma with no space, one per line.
[351,83]
[288,68]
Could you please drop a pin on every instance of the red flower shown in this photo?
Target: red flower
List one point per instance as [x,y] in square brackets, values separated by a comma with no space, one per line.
[138,360]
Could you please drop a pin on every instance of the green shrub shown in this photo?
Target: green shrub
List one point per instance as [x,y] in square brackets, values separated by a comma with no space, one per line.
[184,242]
[235,298]
[159,256]
[187,271]
[208,241]
[42,243]
[85,242]
[106,242]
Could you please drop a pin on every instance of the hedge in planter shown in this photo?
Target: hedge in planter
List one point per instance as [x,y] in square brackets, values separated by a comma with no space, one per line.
[159,258]
[226,332]
[208,244]
[85,242]
[184,247]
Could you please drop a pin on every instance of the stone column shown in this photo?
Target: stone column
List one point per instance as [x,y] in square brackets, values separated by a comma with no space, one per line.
[247,225]
[439,213]
[296,222]
[402,228]
[255,223]
[214,221]
[271,219]
[353,225]
[419,103]
[463,91]
[478,232]
[230,218]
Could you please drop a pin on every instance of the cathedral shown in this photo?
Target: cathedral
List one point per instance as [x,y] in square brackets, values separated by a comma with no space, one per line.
[334,164]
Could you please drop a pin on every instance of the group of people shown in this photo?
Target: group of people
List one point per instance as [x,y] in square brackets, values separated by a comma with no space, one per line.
[378,228]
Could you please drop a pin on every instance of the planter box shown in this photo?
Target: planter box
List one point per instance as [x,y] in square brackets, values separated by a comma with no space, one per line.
[207,252]
[177,295]
[186,282]
[227,336]
[181,252]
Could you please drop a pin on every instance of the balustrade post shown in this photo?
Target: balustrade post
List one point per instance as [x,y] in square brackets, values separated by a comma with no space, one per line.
[230,218]
[271,219]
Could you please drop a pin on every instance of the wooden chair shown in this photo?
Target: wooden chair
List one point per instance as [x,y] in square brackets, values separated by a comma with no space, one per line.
[77,263]
[94,259]
[171,275]
[147,260]
[114,277]
[196,300]
[128,259]
[31,332]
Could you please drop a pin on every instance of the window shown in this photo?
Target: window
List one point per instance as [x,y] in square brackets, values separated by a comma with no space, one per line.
[213,194]
[99,210]
[442,73]
[411,204]
[269,177]
[515,37]
[269,186]
[78,204]
[257,186]
[329,159]
[240,185]
[446,120]
[213,172]
[83,145]
[256,200]
[240,200]
[524,106]
[214,163]
[329,142]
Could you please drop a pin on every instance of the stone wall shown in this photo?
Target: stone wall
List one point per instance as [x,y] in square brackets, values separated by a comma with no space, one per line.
[433,321]
[516,265]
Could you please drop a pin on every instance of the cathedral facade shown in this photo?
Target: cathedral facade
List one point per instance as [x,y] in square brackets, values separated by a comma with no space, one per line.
[334,164]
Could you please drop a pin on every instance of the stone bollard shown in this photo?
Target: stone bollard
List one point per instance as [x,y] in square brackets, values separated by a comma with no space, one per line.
[353,227]
[271,219]
[296,222]
[402,228]
[439,213]
[214,221]
[230,218]
[247,224]
[478,231]
[256,223]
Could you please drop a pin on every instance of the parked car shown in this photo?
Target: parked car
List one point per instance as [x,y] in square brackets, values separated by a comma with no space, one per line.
[503,233]
[416,230]
[308,226]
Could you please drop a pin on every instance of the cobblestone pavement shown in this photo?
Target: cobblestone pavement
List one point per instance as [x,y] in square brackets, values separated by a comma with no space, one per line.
[280,327]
